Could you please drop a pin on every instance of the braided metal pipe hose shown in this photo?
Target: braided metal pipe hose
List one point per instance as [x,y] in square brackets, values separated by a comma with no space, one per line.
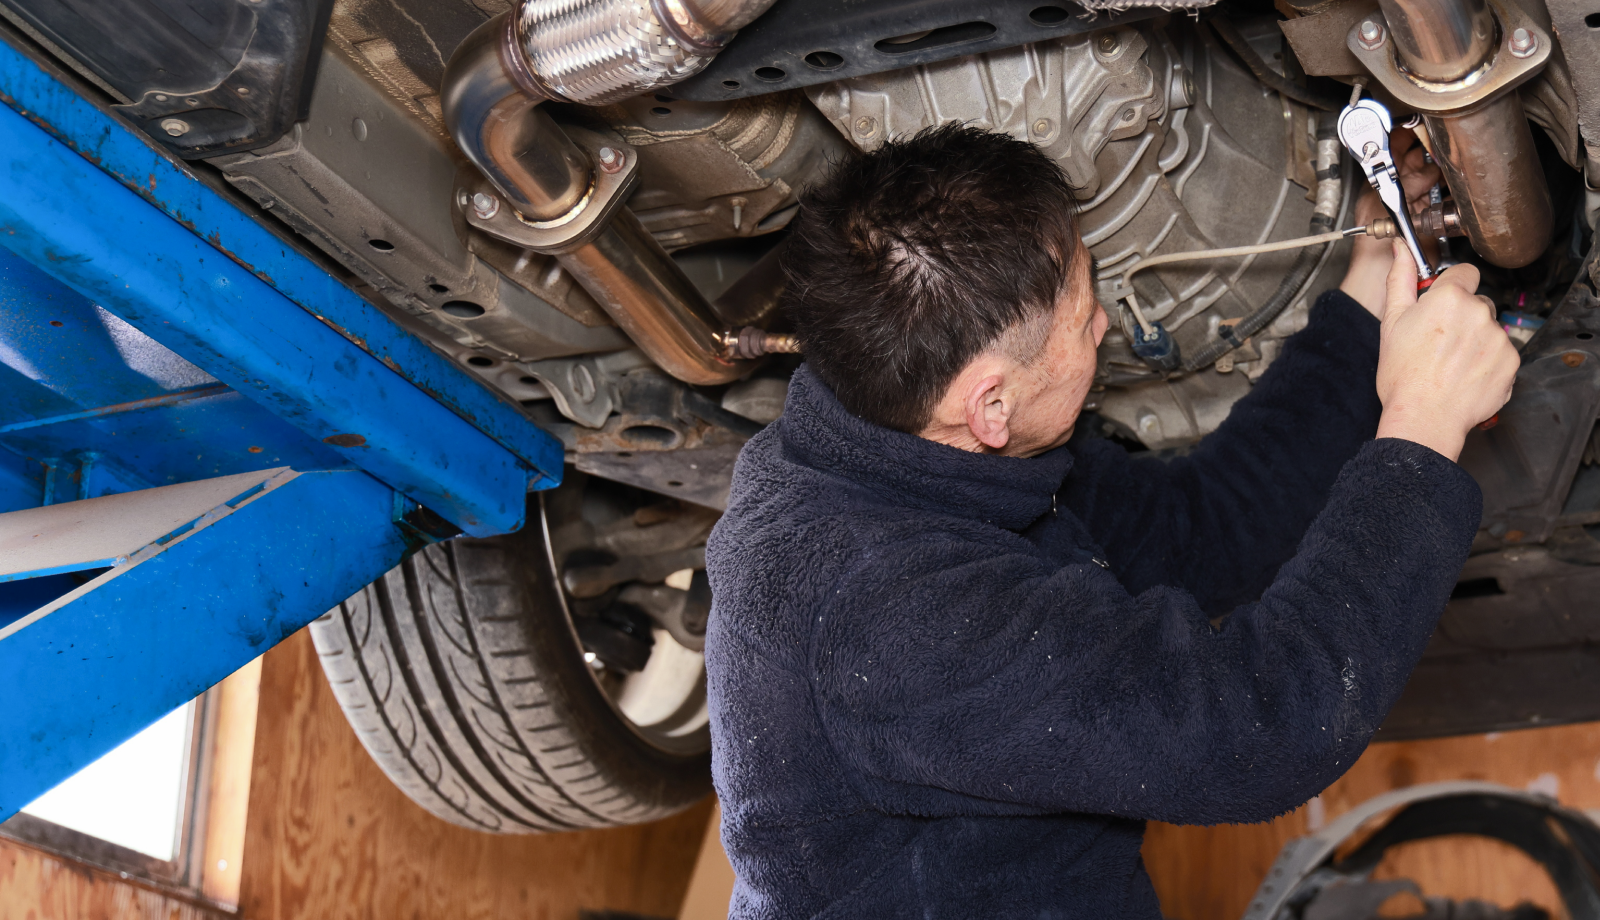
[593,52]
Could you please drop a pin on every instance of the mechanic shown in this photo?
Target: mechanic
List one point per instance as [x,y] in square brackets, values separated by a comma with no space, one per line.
[956,661]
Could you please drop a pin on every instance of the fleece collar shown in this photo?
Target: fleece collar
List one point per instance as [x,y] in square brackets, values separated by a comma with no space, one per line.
[913,472]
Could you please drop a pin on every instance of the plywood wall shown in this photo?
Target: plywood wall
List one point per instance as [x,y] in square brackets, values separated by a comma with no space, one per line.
[35,885]
[329,837]
[1211,873]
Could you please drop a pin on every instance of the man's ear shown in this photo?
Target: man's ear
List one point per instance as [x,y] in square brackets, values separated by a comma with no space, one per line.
[988,409]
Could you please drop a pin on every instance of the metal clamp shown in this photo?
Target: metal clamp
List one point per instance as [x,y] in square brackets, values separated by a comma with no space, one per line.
[615,175]
[1523,50]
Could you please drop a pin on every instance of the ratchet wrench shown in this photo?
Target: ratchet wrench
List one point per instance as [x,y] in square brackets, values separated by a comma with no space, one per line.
[1364,128]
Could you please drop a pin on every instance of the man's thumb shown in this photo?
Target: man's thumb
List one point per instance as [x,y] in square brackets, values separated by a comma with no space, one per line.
[1402,281]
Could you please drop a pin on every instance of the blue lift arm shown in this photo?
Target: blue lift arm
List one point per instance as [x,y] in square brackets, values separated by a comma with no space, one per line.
[67,215]
[116,609]
[204,576]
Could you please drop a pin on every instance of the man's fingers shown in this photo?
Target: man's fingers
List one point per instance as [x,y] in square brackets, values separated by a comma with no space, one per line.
[1402,282]
[1463,276]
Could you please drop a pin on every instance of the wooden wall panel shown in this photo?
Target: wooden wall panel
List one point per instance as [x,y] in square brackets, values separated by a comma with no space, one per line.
[233,741]
[35,885]
[1211,873]
[329,837]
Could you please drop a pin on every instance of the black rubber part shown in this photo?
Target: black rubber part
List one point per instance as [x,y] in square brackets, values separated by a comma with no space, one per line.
[461,674]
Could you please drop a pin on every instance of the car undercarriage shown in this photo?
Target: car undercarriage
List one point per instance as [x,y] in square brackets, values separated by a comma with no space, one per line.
[584,204]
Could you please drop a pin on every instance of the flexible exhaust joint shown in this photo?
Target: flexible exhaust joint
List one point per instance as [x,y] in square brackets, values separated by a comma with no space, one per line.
[568,201]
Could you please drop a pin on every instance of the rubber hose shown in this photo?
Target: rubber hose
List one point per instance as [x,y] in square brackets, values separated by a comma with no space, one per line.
[1241,46]
[1232,337]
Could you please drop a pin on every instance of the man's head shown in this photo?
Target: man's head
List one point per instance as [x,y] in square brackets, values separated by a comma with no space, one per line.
[939,287]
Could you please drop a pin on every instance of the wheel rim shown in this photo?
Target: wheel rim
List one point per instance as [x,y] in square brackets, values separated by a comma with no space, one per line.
[664,704]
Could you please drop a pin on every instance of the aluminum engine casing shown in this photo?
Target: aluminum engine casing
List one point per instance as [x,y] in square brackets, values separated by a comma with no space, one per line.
[1172,147]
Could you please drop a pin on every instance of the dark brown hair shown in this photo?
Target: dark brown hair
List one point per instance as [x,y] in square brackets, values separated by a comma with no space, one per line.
[907,262]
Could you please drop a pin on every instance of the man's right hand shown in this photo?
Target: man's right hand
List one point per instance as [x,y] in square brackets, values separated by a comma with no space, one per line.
[1444,363]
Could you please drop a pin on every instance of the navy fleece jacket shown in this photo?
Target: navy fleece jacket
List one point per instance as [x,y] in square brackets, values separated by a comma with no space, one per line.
[954,685]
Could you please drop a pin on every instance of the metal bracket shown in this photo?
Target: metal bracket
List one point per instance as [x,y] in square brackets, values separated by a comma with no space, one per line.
[572,230]
[1503,71]
[585,387]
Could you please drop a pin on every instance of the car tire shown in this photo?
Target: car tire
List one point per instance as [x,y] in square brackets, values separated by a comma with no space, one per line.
[464,678]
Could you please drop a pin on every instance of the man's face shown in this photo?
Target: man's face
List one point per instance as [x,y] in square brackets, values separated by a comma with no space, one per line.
[1052,389]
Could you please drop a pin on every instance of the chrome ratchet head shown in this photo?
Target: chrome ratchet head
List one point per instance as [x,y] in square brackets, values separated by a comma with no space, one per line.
[1364,130]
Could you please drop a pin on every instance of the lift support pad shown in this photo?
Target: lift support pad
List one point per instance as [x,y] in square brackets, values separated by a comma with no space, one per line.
[189,583]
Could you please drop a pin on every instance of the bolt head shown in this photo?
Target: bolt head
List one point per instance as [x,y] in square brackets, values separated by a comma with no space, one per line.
[865,125]
[611,159]
[176,127]
[1371,34]
[1523,43]
[485,205]
[1041,127]
[1109,43]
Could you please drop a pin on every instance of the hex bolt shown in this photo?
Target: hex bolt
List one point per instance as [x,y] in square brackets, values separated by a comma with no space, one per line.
[865,125]
[485,205]
[1041,128]
[176,127]
[1523,43]
[1371,35]
[611,159]
[1109,43]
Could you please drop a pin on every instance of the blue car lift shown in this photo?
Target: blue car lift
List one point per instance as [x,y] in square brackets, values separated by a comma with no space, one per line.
[206,439]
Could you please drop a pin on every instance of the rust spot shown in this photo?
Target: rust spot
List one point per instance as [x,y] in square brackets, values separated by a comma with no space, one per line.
[1514,536]
[57,323]
[1573,358]
[345,440]
[254,450]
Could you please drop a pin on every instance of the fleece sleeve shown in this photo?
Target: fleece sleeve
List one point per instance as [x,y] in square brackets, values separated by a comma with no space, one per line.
[1028,690]
[1220,521]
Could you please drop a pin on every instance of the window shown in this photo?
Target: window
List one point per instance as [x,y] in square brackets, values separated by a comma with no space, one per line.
[168,805]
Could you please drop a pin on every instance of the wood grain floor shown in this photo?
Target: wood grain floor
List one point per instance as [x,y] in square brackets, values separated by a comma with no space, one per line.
[329,837]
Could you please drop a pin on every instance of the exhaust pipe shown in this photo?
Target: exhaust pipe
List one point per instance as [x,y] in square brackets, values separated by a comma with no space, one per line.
[1459,63]
[594,52]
